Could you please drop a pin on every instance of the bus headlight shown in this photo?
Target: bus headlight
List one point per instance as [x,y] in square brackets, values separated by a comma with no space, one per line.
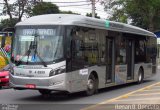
[57,71]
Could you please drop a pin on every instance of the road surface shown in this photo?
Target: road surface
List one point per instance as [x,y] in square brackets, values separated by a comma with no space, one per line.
[31,99]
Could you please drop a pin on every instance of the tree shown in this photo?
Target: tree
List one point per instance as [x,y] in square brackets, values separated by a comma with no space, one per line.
[44,8]
[8,23]
[68,12]
[47,8]
[90,15]
[18,9]
[142,13]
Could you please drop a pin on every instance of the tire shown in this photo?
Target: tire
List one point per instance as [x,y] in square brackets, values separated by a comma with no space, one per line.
[0,87]
[91,85]
[140,76]
[44,92]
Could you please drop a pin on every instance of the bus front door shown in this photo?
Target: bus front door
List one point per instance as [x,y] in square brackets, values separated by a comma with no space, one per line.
[130,59]
[110,60]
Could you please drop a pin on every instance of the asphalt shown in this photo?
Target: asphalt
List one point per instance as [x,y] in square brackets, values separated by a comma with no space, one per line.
[146,98]
[113,98]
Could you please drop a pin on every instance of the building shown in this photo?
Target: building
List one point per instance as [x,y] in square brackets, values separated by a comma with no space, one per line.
[158,44]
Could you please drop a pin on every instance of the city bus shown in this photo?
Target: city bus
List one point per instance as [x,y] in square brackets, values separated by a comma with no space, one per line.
[73,53]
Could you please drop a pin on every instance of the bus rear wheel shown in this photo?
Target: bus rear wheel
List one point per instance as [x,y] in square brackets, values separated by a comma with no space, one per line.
[44,92]
[91,85]
[140,76]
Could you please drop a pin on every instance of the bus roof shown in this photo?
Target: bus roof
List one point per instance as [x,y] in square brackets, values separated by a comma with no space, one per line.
[80,20]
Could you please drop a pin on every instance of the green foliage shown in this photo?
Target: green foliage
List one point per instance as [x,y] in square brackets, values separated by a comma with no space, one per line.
[8,23]
[142,13]
[27,8]
[44,8]
[90,15]
[68,12]
[18,8]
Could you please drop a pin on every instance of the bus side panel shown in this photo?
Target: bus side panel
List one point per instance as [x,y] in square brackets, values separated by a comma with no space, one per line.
[101,72]
[146,68]
[78,78]
[77,81]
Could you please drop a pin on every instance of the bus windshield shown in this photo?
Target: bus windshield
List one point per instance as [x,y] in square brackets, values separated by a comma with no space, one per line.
[37,44]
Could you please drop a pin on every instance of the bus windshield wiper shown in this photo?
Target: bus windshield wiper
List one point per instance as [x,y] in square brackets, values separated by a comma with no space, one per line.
[33,45]
[27,53]
[36,53]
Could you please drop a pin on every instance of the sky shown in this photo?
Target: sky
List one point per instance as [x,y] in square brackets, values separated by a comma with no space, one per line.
[67,5]
[86,8]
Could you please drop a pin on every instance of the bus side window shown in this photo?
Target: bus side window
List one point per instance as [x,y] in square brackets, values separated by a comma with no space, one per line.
[76,46]
[121,54]
[77,52]
[140,51]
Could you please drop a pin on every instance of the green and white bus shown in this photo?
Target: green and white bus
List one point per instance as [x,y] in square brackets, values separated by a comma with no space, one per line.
[73,53]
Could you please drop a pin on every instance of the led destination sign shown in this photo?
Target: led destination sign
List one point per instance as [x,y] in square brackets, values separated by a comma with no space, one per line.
[39,31]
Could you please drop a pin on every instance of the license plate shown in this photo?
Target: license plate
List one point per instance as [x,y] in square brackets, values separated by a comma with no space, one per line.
[30,86]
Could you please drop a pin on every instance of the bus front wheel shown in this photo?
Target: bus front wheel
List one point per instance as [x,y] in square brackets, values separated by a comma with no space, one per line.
[45,92]
[91,85]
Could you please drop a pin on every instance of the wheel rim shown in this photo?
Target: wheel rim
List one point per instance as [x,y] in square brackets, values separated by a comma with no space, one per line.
[90,84]
[140,77]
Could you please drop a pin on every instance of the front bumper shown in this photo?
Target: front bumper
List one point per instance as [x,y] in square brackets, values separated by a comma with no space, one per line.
[56,83]
[4,81]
